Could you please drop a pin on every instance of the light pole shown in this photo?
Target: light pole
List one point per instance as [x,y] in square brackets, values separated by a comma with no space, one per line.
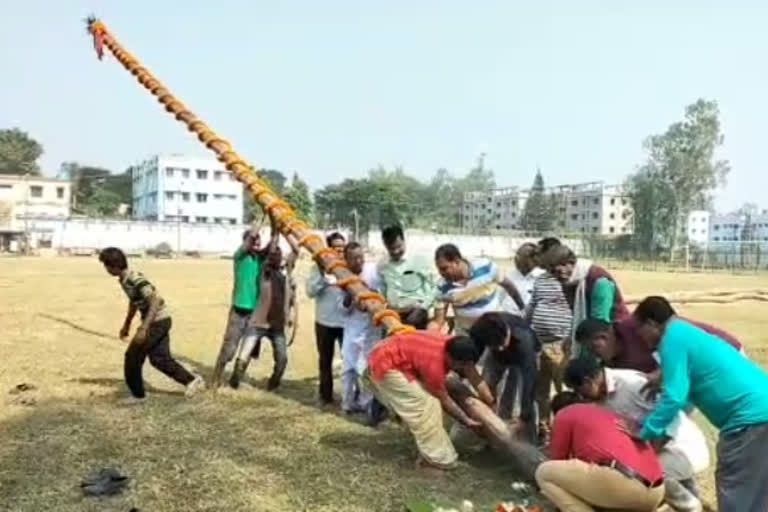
[178,218]
[26,213]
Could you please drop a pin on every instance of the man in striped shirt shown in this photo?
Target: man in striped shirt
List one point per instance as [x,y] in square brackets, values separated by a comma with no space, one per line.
[550,317]
[473,289]
[152,338]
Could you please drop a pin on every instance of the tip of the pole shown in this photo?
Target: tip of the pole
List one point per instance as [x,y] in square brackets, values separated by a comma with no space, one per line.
[93,24]
[95,28]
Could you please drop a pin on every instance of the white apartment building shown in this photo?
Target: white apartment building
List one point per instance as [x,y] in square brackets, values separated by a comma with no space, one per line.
[696,228]
[497,210]
[594,208]
[179,188]
[738,227]
[587,208]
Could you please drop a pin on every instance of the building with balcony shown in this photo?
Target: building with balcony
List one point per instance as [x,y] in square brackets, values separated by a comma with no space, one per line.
[178,188]
[586,208]
[497,210]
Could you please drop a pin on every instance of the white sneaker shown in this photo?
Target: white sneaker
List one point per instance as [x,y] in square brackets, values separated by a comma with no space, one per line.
[194,386]
[129,401]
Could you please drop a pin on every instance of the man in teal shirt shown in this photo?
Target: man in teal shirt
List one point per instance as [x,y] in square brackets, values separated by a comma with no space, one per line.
[729,389]
[247,262]
[407,282]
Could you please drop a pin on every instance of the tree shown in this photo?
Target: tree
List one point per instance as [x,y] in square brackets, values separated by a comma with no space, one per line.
[442,201]
[384,197]
[679,175]
[478,179]
[97,191]
[298,196]
[252,211]
[19,153]
[393,196]
[537,214]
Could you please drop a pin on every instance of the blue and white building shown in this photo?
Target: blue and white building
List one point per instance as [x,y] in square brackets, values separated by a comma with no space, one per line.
[178,188]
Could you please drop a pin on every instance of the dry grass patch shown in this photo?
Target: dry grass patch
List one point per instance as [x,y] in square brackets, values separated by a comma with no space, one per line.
[242,451]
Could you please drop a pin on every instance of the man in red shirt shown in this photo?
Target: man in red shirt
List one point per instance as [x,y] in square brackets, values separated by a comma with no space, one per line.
[407,373]
[595,464]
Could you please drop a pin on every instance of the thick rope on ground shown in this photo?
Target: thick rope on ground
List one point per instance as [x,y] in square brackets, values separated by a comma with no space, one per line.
[708,296]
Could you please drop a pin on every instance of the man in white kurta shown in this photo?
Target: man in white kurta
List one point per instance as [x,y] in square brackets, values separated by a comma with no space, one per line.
[360,335]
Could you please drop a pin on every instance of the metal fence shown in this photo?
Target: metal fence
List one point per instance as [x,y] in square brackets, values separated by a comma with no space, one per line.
[736,257]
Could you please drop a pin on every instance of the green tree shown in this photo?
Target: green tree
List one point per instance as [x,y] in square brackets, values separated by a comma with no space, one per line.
[19,153]
[97,191]
[537,214]
[442,201]
[252,211]
[478,179]
[384,197]
[680,174]
[298,196]
[389,196]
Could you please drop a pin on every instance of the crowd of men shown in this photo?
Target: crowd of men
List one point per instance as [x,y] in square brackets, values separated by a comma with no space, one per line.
[621,438]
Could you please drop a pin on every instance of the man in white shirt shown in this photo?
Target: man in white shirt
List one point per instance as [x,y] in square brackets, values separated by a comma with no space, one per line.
[329,323]
[360,335]
[684,452]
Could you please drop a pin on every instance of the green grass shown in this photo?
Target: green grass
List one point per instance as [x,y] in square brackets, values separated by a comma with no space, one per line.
[240,451]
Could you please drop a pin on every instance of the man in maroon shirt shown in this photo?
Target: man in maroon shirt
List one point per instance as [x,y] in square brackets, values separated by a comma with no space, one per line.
[595,464]
[619,345]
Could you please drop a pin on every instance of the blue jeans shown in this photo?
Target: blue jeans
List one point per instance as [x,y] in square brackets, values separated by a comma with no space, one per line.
[252,341]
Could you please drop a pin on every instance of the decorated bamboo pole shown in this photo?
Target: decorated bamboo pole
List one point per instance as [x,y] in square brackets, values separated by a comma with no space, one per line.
[278,210]
[524,456]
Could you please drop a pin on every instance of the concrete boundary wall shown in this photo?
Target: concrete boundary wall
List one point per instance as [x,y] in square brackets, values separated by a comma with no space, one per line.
[224,238]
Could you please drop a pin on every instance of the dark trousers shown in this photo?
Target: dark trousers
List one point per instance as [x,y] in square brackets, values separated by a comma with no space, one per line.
[326,338]
[157,347]
[415,317]
[741,471]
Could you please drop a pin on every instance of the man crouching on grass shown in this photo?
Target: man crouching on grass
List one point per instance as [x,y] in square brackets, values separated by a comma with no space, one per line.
[407,372]
[152,337]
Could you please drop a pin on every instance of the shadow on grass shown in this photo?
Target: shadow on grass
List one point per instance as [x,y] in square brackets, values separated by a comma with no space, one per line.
[213,455]
[302,391]
[77,327]
[119,385]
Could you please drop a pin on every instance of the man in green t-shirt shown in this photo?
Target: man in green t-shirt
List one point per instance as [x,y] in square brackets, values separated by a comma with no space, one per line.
[248,259]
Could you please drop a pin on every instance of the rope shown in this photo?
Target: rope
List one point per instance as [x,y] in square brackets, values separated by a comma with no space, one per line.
[278,210]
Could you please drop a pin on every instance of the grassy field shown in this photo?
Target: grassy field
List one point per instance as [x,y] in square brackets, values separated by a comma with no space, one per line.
[242,451]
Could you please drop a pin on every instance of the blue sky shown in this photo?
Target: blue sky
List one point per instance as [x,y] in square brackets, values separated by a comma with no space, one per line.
[331,89]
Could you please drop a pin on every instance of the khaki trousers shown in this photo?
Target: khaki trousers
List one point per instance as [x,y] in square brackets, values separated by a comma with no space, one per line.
[551,362]
[576,486]
[421,412]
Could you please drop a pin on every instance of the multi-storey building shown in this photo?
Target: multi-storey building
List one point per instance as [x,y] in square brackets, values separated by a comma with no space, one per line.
[30,197]
[738,227]
[588,208]
[499,209]
[696,228]
[178,188]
